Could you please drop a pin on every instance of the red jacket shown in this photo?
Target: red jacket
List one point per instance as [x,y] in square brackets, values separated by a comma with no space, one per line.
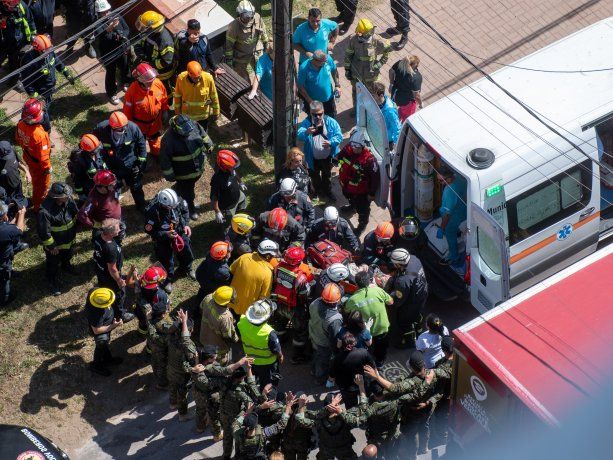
[291,283]
[99,207]
[358,174]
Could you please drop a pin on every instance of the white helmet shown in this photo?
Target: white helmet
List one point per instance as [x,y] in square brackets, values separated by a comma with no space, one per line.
[268,247]
[245,7]
[288,187]
[260,311]
[331,214]
[357,136]
[400,256]
[337,272]
[168,197]
[101,6]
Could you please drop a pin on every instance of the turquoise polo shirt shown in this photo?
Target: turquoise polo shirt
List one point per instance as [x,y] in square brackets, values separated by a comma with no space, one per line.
[263,70]
[311,40]
[318,83]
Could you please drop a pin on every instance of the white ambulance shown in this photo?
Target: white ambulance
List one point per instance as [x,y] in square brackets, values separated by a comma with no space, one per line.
[535,204]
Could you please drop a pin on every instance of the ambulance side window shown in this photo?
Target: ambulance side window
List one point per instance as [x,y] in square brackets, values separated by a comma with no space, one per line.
[549,202]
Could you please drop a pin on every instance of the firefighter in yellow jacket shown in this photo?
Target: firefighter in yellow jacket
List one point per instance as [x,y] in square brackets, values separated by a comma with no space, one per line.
[365,55]
[246,39]
[196,96]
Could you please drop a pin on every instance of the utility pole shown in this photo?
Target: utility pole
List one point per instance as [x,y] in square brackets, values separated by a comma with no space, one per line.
[282,81]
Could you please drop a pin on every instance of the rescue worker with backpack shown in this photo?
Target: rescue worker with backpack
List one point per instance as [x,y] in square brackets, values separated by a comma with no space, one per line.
[182,156]
[246,39]
[238,234]
[146,104]
[167,222]
[292,284]
[83,165]
[34,140]
[296,203]
[18,29]
[359,178]
[38,75]
[125,152]
[334,228]
[156,47]
[195,95]
[278,226]
[56,225]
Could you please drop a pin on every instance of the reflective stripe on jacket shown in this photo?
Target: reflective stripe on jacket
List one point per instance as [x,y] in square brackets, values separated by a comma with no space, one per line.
[255,341]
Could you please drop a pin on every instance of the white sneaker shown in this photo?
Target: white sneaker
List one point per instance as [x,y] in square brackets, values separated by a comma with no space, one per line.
[114,100]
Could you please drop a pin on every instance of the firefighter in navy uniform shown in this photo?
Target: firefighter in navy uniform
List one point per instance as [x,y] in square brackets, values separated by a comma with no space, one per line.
[167,222]
[124,150]
[238,234]
[296,203]
[293,280]
[334,228]
[84,163]
[43,12]
[283,229]
[17,29]
[409,289]
[157,46]
[378,245]
[57,230]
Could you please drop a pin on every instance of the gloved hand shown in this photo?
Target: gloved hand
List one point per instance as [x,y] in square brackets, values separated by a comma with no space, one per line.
[219,218]
[348,74]
[252,94]
[440,233]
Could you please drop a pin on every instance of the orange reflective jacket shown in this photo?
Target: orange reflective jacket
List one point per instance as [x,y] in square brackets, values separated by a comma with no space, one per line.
[36,145]
[145,106]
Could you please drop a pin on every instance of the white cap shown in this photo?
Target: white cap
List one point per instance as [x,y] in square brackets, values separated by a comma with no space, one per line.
[102,6]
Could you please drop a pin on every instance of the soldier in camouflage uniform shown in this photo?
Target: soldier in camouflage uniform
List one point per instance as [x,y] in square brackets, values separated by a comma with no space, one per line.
[443,370]
[333,428]
[297,439]
[182,356]
[251,437]
[246,39]
[272,415]
[209,378]
[241,390]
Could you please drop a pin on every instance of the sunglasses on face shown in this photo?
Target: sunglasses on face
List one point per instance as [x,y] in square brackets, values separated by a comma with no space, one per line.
[318,115]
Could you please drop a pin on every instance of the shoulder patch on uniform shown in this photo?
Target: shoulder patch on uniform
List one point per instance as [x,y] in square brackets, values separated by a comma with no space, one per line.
[148,227]
[398,294]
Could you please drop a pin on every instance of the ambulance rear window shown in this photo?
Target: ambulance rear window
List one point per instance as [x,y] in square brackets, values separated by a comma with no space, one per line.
[549,202]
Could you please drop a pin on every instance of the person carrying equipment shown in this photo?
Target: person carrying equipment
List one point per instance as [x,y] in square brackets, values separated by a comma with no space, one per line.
[364,56]
[296,203]
[125,151]
[167,222]
[278,226]
[334,228]
[246,39]
[57,230]
[195,95]
[182,156]
[34,140]
[156,46]
[378,245]
[292,283]
[18,29]
[146,104]
[239,234]
[84,163]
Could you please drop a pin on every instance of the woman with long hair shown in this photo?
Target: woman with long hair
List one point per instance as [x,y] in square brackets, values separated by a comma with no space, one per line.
[429,342]
[405,86]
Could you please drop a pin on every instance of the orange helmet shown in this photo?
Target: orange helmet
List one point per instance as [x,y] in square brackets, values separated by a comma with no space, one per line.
[331,293]
[294,256]
[89,143]
[144,73]
[104,177]
[227,160]
[277,219]
[384,231]
[220,250]
[41,43]
[32,111]
[118,120]
[194,69]
[153,276]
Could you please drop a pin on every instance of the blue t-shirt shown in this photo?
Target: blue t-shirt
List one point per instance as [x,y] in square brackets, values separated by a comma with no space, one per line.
[313,41]
[263,70]
[318,83]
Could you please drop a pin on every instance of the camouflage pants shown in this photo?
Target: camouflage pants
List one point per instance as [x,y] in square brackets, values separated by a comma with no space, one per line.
[159,363]
[228,438]
[207,411]
[342,453]
[416,434]
[177,391]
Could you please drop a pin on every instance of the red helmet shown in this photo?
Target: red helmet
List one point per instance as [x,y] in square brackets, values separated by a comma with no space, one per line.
[32,111]
[41,43]
[384,231]
[118,120]
[104,177]
[227,160]
[10,4]
[277,219]
[89,143]
[153,276]
[220,250]
[144,73]
[294,256]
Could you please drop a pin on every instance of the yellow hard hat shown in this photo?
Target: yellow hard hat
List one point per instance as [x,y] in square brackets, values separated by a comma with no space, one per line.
[224,295]
[242,223]
[364,27]
[151,19]
[102,298]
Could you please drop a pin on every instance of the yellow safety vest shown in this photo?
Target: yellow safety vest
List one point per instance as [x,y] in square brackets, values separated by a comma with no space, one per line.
[255,341]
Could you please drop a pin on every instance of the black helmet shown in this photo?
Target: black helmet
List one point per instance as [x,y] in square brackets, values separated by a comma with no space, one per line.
[182,124]
[409,228]
[60,190]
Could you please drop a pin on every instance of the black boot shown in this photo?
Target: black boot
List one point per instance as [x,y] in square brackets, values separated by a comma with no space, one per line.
[403,41]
